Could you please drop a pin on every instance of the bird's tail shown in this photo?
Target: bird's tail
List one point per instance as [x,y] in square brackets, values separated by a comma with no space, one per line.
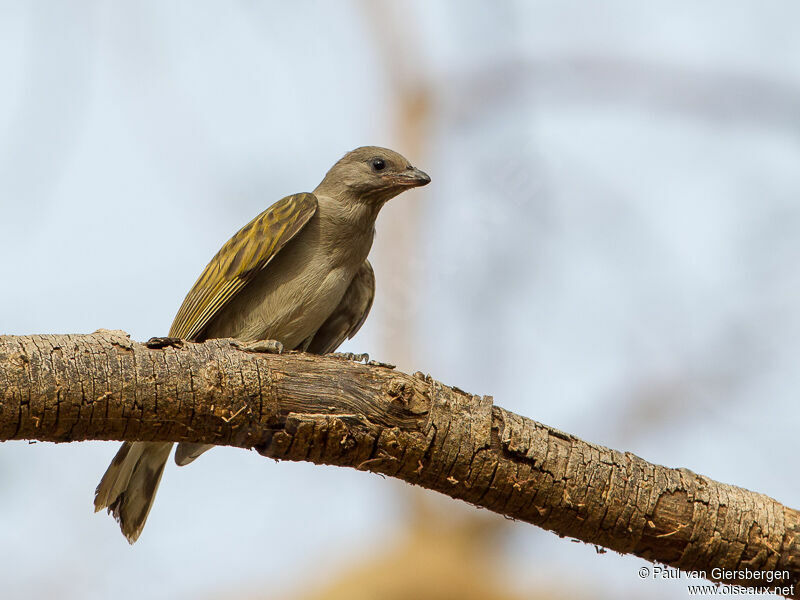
[129,485]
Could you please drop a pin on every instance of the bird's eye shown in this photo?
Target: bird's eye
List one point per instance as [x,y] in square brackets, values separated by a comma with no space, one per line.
[378,164]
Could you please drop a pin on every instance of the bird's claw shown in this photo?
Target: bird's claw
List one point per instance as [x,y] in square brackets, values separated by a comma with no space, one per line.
[364,357]
[262,346]
[377,363]
[157,343]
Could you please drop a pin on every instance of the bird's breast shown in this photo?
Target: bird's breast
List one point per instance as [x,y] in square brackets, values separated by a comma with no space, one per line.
[290,299]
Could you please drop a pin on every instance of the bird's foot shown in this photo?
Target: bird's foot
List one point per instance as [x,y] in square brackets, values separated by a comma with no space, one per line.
[377,363]
[350,356]
[162,342]
[262,346]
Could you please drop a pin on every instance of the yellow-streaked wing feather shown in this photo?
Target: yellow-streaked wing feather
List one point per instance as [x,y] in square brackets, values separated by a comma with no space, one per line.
[249,251]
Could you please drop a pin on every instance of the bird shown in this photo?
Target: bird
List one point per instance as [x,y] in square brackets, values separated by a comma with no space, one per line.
[297,275]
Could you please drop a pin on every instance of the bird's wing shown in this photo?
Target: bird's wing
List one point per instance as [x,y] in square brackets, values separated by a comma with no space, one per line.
[249,251]
[349,315]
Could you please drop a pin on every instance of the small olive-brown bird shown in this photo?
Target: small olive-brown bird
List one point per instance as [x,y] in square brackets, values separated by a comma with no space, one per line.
[298,274]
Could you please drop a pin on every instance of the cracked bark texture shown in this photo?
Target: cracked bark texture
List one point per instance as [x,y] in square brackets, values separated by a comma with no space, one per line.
[330,410]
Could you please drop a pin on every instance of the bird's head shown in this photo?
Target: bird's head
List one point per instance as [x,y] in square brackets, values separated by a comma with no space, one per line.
[371,174]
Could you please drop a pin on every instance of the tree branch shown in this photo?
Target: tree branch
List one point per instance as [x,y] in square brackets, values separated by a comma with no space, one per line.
[330,410]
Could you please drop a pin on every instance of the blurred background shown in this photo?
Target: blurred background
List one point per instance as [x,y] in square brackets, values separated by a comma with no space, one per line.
[609,245]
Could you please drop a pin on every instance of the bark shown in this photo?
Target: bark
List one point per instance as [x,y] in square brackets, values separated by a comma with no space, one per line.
[331,410]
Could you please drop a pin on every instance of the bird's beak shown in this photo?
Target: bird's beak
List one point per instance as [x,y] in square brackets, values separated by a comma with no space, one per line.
[411,177]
